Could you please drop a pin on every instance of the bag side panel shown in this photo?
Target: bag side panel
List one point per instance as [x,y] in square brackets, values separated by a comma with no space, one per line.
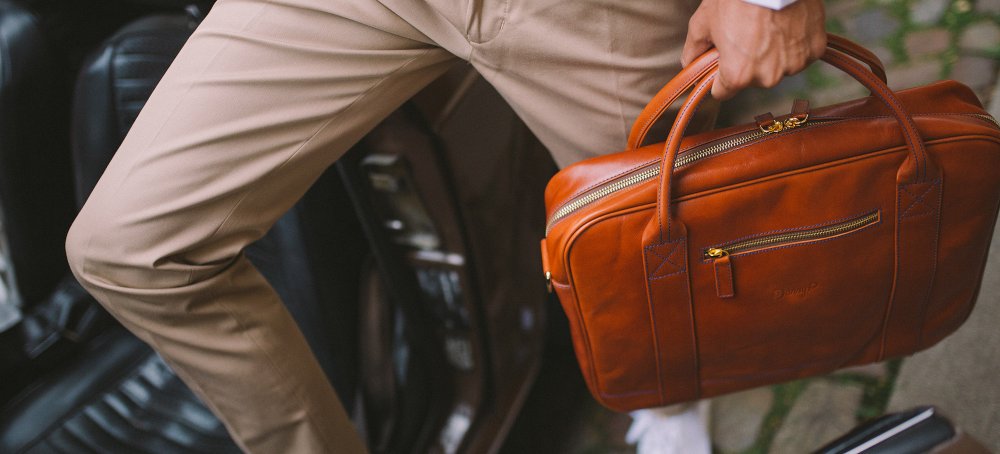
[971,195]
[606,264]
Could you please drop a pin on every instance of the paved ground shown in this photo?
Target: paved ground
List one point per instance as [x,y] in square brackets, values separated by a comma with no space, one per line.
[960,375]
[920,41]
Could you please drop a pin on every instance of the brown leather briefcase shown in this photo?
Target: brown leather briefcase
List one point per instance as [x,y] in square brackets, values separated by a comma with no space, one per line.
[771,251]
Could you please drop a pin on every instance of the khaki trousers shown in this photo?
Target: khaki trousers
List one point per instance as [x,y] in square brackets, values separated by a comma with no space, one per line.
[263,98]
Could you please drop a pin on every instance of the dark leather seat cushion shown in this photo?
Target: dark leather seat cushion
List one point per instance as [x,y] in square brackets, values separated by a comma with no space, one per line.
[114,85]
[36,201]
[118,396]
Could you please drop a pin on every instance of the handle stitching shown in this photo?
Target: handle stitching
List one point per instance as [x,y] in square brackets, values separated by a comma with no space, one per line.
[889,98]
[919,201]
[665,104]
[936,209]
[665,259]
[667,169]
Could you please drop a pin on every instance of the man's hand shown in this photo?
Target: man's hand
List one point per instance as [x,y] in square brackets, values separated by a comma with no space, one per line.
[757,45]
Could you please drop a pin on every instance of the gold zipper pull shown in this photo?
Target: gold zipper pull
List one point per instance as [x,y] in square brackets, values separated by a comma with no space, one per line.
[724,285]
[768,124]
[716,253]
[773,127]
[795,122]
[723,267]
[800,114]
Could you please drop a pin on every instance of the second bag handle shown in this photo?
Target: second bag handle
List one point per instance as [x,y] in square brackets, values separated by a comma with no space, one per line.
[697,69]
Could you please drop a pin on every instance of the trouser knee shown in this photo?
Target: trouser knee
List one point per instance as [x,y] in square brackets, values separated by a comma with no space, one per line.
[121,267]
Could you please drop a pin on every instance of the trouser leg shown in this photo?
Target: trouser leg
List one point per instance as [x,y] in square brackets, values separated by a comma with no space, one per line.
[262,99]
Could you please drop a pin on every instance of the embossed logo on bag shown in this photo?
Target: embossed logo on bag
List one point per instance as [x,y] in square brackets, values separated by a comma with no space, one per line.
[794,291]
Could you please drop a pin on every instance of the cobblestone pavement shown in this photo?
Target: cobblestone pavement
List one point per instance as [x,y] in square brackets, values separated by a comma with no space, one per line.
[920,41]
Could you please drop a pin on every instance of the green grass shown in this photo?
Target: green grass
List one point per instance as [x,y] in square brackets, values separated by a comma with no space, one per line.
[958,17]
[784,397]
[876,395]
[874,401]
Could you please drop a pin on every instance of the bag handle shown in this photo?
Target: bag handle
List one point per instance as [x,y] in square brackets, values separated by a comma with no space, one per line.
[668,95]
[837,42]
[917,168]
[697,69]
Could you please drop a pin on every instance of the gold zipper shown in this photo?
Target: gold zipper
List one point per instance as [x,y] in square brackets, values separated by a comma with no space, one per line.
[988,118]
[699,154]
[722,263]
[741,139]
[652,170]
[696,154]
[601,192]
[769,241]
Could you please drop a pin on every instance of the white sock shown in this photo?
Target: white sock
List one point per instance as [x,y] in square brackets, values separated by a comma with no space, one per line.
[677,429]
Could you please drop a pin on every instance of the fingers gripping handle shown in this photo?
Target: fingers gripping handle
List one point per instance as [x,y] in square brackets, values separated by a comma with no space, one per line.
[697,69]
[917,168]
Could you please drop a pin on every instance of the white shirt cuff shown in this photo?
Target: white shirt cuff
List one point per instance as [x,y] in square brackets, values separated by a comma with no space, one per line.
[773,4]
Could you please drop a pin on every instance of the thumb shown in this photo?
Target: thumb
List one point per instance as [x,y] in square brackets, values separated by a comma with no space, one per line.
[698,40]
[720,89]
